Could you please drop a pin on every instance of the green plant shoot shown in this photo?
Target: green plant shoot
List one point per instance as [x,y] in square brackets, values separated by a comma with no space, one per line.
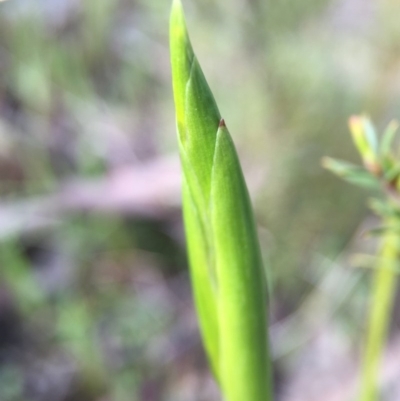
[381,171]
[226,267]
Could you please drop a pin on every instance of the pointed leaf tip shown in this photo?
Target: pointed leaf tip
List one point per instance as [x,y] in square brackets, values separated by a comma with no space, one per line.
[177,6]
[182,57]
[222,123]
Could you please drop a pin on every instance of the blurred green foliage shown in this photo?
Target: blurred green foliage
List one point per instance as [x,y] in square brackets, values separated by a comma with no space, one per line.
[85,90]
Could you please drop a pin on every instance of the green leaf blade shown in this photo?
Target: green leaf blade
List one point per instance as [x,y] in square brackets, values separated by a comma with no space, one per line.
[244,355]
[203,280]
[202,119]
[197,121]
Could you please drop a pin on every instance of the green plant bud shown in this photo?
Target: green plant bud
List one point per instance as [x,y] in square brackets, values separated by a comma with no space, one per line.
[226,268]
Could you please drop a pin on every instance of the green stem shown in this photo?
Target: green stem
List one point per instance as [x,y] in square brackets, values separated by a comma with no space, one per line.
[383,290]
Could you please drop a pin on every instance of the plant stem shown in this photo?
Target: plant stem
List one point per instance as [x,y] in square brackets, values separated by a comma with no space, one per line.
[383,291]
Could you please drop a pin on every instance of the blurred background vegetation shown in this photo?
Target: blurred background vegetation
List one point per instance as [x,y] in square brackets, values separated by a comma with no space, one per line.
[95,302]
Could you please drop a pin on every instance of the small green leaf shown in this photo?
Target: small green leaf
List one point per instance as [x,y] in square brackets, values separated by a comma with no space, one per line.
[365,139]
[388,137]
[383,208]
[392,173]
[370,134]
[351,173]
[387,162]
